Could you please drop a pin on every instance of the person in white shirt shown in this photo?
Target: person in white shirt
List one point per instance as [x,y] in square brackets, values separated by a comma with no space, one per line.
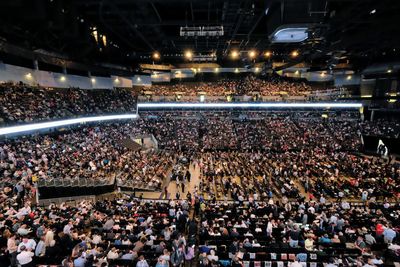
[96,239]
[142,262]
[112,254]
[29,244]
[67,228]
[23,230]
[25,257]
[212,256]
[12,249]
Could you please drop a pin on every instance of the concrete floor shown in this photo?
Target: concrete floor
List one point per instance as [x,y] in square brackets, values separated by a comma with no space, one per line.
[172,188]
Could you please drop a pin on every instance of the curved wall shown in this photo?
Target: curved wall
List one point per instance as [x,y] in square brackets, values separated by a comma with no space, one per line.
[10,73]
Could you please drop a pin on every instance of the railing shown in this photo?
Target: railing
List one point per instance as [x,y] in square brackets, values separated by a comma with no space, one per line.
[75,182]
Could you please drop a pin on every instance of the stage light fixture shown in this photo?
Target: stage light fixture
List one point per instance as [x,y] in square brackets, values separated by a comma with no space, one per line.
[268,54]
[252,54]
[294,53]
[188,54]
[234,54]
[156,56]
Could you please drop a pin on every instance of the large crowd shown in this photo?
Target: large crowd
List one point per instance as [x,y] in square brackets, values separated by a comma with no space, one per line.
[248,86]
[117,232]
[269,181]
[21,103]
[298,233]
[89,153]
[320,154]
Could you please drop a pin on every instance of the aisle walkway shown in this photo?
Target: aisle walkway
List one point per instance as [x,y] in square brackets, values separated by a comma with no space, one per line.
[194,180]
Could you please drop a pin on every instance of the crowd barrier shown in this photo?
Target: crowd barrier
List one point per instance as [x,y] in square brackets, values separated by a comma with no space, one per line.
[72,191]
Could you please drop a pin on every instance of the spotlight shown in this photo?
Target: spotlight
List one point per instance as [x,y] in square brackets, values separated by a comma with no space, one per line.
[234,54]
[257,69]
[188,54]
[216,70]
[348,77]
[116,80]
[93,80]
[28,76]
[389,70]
[268,54]
[252,54]
[294,53]
[323,74]
[236,70]
[156,56]
[62,78]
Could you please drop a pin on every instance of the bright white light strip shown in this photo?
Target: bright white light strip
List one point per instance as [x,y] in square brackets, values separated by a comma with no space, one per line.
[249,105]
[51,124]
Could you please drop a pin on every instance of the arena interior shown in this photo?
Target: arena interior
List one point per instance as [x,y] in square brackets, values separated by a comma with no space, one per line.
[204,133]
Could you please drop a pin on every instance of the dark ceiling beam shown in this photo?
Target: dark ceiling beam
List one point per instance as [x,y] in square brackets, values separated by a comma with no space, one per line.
[191,11]
[239,22]
[255,24]
[175,23]
[90,3]
[133,27]
[112,29]
[224,10]
[156,11]
[208,12]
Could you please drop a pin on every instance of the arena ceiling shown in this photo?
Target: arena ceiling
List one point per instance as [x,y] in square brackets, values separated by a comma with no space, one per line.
[341,31]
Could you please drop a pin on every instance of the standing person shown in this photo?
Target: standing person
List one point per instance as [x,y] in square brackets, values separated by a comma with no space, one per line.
[188,175]
[12,250]
[322,200]
[189,255]
[183,187]
[340,197]
[165,192]
[364,196]
[189,197]
[177,195]
[177,257]
[178,183]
